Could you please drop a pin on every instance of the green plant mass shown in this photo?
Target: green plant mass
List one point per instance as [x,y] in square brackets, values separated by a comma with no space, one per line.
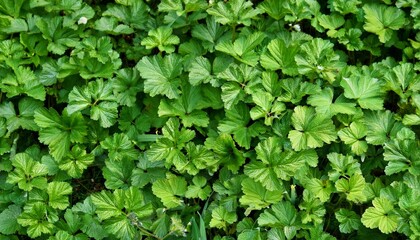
[209,119]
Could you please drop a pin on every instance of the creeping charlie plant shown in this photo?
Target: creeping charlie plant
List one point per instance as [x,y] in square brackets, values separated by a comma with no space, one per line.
[220,119]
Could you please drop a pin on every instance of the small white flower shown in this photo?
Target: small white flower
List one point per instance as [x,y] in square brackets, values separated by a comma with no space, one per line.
[296,27]
[82,20]
[320,68]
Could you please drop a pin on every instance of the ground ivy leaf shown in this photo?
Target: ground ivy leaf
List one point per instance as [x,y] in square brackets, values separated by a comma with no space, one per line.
[281,214]
[342,166]
[243,49]
[8,220]
[170,190]
[120,147]
[209,34]
[117,174]
[381,216]
[161,74]
[257,197]
[23,81]
[381,127]
[349,220]
[238,123]
[221,217]
[76,161]
[276,164]
[317,58]
[226,152]
[28,173]
[57,192]
[324,103]
[276,59]
[126,85]
[402,153]
[311,130]
[34,218]
[24,119]
[234,12]
[366,90]
[162,38]
[353,135]
[352,187]
[322,189]
[379,20]
[199,189]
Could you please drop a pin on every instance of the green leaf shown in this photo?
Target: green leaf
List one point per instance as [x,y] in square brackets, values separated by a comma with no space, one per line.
[170,190]
[324,103]
[120,147]
[8,219]
[273,8]
[332,22]
[311,130]
[366,90]
[243,49]
[59,132]
[76,161]
[11,8]
[294,89]
[99,98]
[162,38]
[23,81]
[282,215]
[403,80]
[187,107]
[317,58]
[312,209]
[346,6]
[199,189]
[57,192]
[28,173]
[349,220]
[38,220]
[226,151]
[381,127]
[117,174]
[266,108]
[277,59]
[402,153]
[25,118]
[352,187]
[126,85]
[238,78]
[238,123]
[134,14]
[161,74]
[381,216]
[234,12]
[342,166]
[121,211]
[220,217]
[321,189]
[209,34]
[383,20]
[353,135]
[275,164]
[256,197]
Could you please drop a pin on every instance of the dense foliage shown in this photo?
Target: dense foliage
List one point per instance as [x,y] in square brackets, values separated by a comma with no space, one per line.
[195,119]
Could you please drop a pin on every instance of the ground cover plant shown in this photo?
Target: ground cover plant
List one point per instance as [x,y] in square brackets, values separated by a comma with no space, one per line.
[193,119]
